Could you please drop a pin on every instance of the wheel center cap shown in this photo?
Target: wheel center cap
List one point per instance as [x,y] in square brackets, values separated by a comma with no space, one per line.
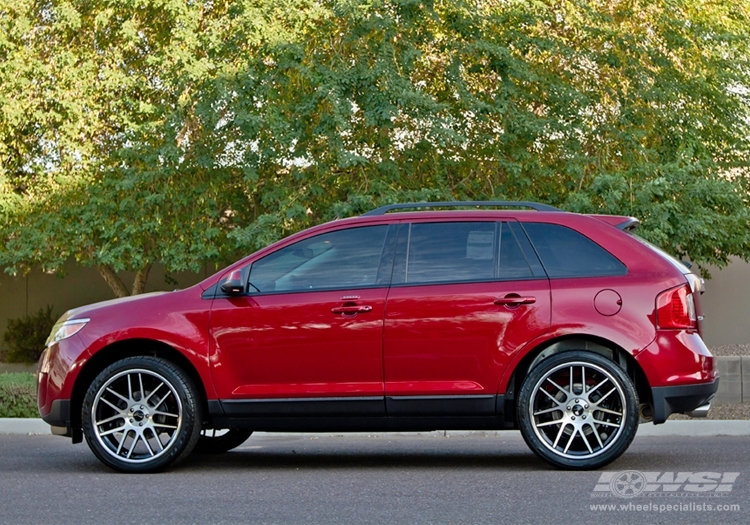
[138,415]
[578,410]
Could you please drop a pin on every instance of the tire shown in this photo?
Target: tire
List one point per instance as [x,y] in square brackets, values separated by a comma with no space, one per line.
[212,443]
[141,414]
[578,410]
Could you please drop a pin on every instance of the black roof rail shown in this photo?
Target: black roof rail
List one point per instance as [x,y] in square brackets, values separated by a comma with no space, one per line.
[496,204]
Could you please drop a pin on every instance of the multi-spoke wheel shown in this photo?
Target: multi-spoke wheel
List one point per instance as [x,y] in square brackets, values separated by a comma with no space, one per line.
[578,410]
[215,441]
[141,414]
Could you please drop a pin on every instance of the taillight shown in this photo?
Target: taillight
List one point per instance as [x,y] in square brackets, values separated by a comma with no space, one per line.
[675,309]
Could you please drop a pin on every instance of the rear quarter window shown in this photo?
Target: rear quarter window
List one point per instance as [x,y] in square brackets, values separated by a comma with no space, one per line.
[566,253]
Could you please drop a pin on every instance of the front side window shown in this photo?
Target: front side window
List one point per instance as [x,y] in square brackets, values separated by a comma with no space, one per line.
[341,259]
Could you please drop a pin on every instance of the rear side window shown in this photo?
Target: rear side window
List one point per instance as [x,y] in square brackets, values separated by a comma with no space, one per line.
[452,252]
[567,253]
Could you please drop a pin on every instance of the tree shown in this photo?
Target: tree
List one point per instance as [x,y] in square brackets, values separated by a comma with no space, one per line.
[94,135]
[637,108]
[142,131]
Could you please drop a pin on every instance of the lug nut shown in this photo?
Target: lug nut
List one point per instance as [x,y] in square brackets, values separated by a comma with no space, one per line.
[583,417]
[568,408]
[131,421]
[572,418]
[140,424]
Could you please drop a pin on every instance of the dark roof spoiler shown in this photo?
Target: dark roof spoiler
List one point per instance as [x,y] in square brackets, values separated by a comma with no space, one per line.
[629,225]
[621,222]
[488,204]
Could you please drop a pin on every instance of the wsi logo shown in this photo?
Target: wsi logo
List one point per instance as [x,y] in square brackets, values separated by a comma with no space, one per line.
[632,483]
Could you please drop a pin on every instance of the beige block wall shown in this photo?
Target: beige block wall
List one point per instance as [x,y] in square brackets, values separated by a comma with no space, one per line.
[726,305]
[79,286]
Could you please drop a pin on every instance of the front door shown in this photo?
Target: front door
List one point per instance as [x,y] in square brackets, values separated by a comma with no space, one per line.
[308,332]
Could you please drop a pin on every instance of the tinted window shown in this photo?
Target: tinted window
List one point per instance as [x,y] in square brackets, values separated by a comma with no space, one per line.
[513,263]
[450,252]
[567,253]
[341,259]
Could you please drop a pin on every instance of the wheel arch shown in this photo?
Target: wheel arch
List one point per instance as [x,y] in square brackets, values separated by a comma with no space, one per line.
[121,350]
[586,342]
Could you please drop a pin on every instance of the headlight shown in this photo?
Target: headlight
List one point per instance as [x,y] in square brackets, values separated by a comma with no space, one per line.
[66,329]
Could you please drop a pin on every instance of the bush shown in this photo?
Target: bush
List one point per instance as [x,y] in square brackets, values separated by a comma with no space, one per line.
[25,336]
[18,395]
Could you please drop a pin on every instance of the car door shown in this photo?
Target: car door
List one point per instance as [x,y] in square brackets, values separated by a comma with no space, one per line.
[306,338]
[465,297]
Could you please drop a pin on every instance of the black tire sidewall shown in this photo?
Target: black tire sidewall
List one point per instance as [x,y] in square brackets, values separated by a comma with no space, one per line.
[525,423]
[191,414]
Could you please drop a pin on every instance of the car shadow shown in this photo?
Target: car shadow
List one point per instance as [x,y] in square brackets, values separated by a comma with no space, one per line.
[312,460]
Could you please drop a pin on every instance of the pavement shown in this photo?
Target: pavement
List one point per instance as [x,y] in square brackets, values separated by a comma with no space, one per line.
[702,428]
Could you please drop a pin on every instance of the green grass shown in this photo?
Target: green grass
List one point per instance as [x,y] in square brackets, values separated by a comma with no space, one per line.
[18,395]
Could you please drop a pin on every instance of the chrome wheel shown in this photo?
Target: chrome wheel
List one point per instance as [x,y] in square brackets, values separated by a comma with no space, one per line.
[141,414]
[578,410]
[137,415]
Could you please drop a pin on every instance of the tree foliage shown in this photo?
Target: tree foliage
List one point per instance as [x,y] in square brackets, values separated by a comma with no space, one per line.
[146,131]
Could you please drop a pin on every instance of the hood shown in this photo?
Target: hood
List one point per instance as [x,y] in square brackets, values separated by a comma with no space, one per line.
[82,311]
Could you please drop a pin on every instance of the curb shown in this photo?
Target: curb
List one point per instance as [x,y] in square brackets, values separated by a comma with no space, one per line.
[701,428]
[12,425]
[705,428]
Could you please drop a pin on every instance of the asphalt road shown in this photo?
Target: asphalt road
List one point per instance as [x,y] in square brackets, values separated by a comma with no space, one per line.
[425,479]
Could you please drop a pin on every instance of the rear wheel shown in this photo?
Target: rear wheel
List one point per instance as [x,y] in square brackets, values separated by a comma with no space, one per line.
[141,414]
[578,410]
[213,441]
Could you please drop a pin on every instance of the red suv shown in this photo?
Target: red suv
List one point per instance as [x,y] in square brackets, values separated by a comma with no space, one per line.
[564,326]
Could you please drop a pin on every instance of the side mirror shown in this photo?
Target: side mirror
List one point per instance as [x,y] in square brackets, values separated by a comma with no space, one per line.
[234,285]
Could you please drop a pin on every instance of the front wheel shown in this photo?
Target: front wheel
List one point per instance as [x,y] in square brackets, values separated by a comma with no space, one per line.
[141,414]
[578,410]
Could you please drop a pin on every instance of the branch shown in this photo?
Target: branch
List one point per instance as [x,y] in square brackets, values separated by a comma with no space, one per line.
[139,283]
[112,279]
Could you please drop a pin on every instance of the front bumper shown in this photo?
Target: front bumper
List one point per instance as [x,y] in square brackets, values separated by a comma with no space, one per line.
[680,399]
[58,419]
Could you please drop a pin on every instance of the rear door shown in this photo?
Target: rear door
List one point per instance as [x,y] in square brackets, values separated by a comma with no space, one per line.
[465,297]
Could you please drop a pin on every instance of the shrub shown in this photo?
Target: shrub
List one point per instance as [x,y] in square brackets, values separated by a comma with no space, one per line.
[25,336]
[18,395]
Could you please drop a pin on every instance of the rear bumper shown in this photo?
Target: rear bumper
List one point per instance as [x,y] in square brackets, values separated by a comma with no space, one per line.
[680,399]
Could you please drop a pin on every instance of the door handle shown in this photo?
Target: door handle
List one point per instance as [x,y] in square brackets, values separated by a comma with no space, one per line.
[514,300]
[351,310]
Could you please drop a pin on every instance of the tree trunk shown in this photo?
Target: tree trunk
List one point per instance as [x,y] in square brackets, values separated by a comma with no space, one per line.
[139,283]
[113,280]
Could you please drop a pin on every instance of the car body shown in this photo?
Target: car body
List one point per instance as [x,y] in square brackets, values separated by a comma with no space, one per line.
[565,326]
